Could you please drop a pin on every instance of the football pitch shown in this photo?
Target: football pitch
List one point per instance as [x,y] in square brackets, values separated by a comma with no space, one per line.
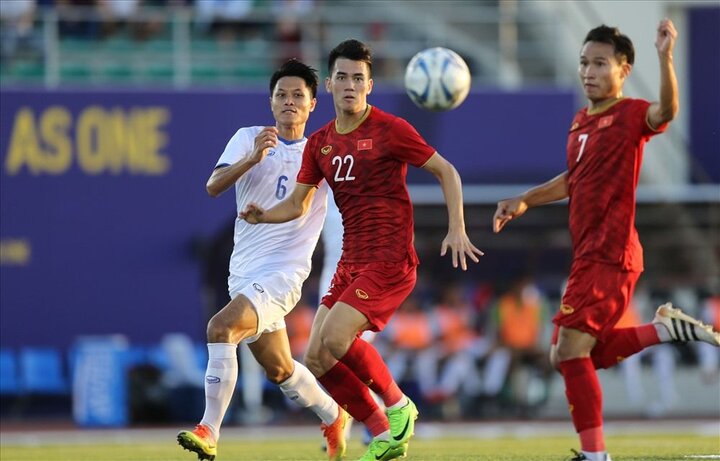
[299,444]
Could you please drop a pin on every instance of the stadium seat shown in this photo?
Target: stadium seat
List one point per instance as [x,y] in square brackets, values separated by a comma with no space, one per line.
[41,371]
[9,383]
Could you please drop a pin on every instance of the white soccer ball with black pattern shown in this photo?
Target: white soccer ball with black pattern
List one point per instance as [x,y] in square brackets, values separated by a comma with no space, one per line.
[437,79]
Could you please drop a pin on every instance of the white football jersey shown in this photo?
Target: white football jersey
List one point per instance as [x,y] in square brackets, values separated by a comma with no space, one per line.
[285,247]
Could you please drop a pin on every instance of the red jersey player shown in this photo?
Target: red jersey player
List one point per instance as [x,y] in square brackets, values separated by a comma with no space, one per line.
[363,155]
[604,153]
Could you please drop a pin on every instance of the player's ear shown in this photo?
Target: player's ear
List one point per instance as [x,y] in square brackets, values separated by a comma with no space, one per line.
[370,86]
[313,103]
[327,84]
[625,69]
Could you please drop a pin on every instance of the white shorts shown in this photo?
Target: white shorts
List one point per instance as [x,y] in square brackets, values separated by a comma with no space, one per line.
[273,295]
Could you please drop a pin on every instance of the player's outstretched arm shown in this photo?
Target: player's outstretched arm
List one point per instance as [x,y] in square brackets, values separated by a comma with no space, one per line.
[224,177]
[456,240]
[667,107]
[294,206]
[509,209]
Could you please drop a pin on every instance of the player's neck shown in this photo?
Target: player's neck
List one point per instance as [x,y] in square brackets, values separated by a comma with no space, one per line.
[345,122]
[291,132]
[595,107]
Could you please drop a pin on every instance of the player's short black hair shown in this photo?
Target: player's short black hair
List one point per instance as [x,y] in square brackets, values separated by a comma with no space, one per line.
[611,35]
[351,49]
[295,68]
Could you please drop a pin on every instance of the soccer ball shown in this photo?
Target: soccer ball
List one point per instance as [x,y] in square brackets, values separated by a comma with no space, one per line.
[437,79]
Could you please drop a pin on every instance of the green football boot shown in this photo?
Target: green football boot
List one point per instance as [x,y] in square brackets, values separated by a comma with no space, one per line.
[402,425]
[382,450]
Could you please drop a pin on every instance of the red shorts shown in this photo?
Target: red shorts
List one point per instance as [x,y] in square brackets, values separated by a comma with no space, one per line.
[376,289]
[596,297]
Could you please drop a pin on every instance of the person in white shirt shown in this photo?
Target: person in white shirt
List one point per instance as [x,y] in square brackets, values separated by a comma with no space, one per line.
[268,265]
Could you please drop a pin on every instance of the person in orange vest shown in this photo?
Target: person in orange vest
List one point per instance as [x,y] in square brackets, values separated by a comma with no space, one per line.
[450,365]
[518,321]
[407,336]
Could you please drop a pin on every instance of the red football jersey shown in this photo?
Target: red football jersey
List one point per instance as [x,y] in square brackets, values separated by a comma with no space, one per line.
[366,169]
[604,155]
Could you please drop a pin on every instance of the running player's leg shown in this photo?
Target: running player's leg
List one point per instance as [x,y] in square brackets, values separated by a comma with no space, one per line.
[236,321]
[571,355]
[340,336]
[272,351]
[340,382]
[669,325]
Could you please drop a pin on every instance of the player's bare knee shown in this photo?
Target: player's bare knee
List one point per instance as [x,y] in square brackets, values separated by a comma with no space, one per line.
[554,362]
[218,331]
[277,374]
[336,344]
[314,363]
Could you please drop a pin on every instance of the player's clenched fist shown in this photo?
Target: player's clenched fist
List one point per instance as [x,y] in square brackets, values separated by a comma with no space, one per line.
[264,141]
[666,35]
[252,213]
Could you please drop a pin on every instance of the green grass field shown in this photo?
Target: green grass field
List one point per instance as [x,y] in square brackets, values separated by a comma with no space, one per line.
[623,448]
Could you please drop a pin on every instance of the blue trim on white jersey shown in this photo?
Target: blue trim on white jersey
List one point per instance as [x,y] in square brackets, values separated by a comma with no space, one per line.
[289,143]
[221,165]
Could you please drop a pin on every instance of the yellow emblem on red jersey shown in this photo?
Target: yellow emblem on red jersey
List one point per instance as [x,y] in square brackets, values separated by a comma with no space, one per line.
[326,150]
[566,309]
[361,294]
[574,126]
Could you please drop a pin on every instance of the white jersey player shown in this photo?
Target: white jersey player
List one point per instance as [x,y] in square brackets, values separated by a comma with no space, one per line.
[268,266]
[269,263]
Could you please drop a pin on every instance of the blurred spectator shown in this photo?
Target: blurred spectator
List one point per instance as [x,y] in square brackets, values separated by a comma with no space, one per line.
[405,338]
[118,16]
[299,325]
[17,34]
[708,355]
[227,20]
[519,322]
[288,27]
[78,19]
[662,358]
[459,348]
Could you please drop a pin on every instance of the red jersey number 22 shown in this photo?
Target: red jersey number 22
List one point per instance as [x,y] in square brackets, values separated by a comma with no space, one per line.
[583,139]
[341,163]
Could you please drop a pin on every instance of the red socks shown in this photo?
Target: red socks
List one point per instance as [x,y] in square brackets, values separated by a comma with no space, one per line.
[369,367]
[584,396]
[349,392]
[621,343]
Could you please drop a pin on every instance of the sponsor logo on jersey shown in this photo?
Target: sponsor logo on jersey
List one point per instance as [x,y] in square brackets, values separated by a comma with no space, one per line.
[566,309]
[271,153]
[258,287]
[605,121]
[212,379]
[364,144]
[326,150]
[361,294]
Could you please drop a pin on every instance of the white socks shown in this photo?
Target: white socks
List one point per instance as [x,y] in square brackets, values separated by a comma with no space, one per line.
[303,389]
[663,333]
[399,404]
[220,379]
[596,456]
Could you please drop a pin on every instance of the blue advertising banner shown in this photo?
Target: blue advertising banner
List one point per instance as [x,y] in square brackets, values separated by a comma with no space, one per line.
[102,195]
